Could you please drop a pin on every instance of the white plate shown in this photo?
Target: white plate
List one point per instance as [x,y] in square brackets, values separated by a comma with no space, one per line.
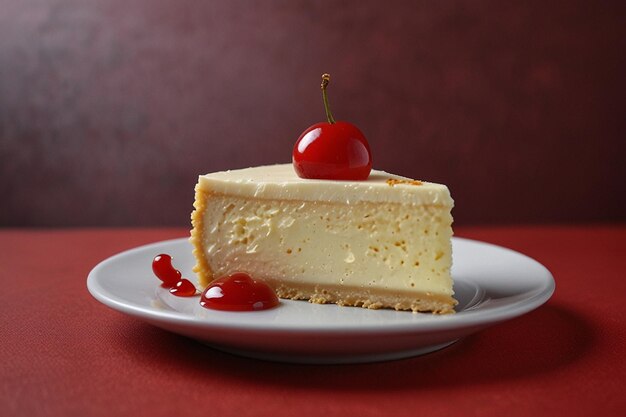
[492,284]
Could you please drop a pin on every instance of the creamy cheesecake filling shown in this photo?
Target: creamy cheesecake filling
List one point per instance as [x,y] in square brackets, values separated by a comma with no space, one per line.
[360,250]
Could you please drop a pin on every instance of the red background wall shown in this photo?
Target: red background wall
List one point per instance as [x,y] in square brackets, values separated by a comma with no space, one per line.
[110,109]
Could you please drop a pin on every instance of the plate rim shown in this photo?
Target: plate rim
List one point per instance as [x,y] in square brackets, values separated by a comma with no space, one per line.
[430,323]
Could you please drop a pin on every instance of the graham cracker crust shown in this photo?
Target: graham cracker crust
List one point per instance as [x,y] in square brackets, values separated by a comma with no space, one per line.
[372,298]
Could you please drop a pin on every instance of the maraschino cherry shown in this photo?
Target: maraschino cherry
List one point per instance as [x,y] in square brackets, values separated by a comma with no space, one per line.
[332,150]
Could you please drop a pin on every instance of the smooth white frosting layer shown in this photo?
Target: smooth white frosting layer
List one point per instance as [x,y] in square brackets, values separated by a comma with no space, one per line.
[282,183]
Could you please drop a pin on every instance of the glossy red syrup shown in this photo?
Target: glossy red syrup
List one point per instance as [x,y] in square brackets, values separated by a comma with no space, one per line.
[238,292]
[163,269]
[183,288]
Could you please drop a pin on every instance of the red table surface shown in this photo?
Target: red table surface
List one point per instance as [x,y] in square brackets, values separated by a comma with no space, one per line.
[63,353]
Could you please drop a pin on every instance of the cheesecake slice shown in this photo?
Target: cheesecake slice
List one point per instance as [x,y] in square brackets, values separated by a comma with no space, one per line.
[380,243]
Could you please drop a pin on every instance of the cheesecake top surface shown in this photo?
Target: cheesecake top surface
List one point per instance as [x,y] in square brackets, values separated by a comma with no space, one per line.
[281,182]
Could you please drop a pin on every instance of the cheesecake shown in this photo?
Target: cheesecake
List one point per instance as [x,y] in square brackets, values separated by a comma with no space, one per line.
[384,242]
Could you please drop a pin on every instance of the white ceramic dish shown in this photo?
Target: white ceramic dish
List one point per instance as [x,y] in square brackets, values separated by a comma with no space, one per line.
[492,284]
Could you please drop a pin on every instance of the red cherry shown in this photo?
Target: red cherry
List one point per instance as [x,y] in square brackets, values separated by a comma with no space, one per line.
[238,292]
[183,288]
[163,269]
[332,150]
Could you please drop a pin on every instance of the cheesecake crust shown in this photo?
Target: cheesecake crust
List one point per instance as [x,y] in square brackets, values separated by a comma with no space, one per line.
[202,268]
[372,298]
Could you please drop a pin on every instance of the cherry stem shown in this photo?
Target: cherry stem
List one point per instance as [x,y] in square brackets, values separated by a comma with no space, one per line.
[325,81]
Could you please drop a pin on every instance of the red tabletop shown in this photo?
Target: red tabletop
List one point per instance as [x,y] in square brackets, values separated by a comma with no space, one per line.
[65,354]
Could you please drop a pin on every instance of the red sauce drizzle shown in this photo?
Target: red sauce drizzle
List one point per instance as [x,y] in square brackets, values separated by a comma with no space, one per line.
[163,269]
[238,292]
[171,277]
[183,288]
